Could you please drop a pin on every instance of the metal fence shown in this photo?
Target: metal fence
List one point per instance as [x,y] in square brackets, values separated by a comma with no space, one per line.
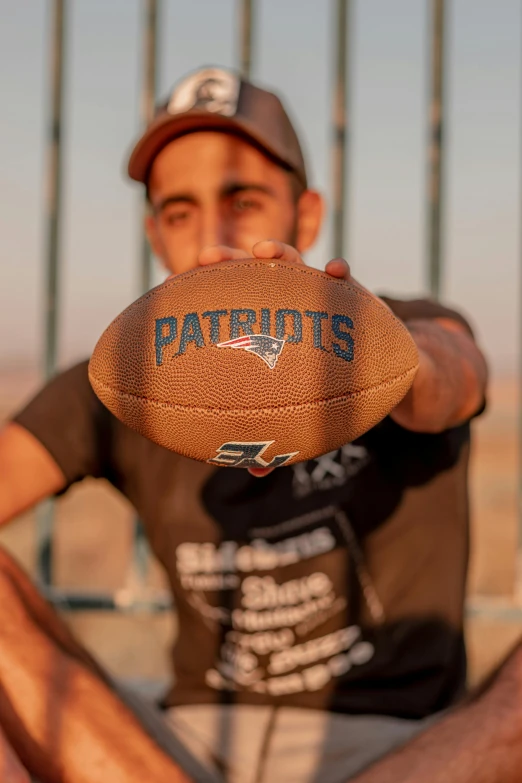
[340,168]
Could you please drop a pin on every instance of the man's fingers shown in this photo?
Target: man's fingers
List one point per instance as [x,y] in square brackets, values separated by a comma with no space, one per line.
[339,268]
[260,472]
[214,254]
[272,248]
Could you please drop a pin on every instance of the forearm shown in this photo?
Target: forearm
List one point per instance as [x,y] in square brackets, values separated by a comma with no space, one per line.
[478,743]
[450,384]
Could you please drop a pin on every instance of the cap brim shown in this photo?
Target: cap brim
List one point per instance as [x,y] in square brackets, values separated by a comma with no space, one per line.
[169,127]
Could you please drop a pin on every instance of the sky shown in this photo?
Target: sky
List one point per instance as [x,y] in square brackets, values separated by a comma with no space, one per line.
[293,53]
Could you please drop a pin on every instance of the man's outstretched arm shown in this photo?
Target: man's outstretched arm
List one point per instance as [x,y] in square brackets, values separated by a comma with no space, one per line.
[451,380]
[480,742]
[450,384]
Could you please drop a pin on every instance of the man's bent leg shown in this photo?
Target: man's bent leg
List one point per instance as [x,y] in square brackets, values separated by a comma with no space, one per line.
[479,742]
[56,709]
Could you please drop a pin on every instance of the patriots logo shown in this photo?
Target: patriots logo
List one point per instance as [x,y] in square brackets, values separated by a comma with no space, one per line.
[268,348]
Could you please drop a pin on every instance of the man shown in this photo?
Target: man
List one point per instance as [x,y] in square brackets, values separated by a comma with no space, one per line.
[320,607]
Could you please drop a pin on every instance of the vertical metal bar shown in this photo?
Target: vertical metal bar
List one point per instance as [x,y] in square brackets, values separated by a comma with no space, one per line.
[54,187]
[150,22]
[53,210]
[340,126]
[246,33]
[518,571]
[518,583]
[148,100]
[436,148]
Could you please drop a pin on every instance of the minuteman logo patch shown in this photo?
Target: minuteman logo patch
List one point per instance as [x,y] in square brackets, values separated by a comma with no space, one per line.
[265,346]
[213,89]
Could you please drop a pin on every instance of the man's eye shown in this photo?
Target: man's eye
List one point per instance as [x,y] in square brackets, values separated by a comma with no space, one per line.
[176,218]
[244,204]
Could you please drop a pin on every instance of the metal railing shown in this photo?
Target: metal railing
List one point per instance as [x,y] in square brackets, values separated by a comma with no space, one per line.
[436,147]
[53,207]
[134,596]
[342,19]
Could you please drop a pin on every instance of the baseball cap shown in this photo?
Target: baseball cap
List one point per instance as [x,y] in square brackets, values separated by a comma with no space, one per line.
[219,99]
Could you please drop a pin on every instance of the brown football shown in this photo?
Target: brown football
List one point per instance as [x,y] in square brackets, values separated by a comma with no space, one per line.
[254,363]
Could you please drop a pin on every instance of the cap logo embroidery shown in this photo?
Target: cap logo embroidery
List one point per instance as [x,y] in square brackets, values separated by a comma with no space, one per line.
[213,90]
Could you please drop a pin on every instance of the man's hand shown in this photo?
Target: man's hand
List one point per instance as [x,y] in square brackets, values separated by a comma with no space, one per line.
[268,248]
[450,384]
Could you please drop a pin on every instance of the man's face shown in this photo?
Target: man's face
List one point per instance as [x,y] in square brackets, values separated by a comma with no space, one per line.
[210,188]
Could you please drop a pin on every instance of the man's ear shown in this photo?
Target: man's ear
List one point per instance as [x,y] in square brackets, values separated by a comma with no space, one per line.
[310,211]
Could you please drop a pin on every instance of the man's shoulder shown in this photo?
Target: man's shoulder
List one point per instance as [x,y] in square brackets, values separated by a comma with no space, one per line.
[65,409]
[79,432]
[77,375]
[73,382]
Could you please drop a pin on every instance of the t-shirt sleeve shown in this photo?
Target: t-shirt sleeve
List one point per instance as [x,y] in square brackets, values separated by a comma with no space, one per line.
[413,309]
[72,424]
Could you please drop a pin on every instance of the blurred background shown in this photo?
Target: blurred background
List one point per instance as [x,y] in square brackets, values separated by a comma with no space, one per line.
[388,231]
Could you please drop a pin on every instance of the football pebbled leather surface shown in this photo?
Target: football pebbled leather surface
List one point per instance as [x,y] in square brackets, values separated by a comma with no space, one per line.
[341,361]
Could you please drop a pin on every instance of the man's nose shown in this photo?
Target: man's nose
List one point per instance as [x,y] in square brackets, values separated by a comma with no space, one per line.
[212,228]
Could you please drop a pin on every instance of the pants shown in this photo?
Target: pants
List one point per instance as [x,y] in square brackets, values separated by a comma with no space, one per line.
[248,744]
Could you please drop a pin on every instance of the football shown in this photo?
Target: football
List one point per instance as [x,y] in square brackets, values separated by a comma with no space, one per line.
[254,363]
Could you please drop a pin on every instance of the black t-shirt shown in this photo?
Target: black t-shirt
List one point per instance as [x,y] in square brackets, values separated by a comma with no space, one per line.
[333,584]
